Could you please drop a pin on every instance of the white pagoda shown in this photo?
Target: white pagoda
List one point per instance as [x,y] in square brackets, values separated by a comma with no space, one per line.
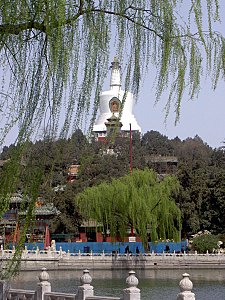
[111,104]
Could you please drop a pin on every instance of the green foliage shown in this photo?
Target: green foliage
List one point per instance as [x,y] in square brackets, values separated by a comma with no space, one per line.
[200,173]
[139,200]
[44,165]
[69,218]
[205,242]
[56,50]
[157,144]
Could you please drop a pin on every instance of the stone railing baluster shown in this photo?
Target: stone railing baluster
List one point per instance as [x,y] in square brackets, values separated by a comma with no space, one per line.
[14,294]
[186,289]
[131,292]
[44,285]
[4,288]
[86,289]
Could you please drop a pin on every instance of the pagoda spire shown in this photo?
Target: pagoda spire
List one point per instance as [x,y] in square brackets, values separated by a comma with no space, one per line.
[115,80]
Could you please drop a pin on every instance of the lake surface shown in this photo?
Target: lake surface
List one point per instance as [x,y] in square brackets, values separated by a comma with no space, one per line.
[154,284]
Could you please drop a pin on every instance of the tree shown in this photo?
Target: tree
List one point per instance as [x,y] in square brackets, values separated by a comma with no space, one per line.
[194,152]
[201,176]
[52,50]
[69,219]
[139,200]
[157,144]
[205,242]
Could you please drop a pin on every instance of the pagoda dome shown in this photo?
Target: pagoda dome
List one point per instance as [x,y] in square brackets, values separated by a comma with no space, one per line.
[111,102]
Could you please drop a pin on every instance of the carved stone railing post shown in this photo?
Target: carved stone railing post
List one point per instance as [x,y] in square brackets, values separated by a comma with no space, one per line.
[2,250]
[60,252]
[86,289]
[49,252]
[4,287]
[37,252]
[131,292]
[185,287]
[44,285]
[25,252]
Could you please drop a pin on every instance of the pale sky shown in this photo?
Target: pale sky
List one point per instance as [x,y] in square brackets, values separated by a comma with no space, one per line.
[204,116]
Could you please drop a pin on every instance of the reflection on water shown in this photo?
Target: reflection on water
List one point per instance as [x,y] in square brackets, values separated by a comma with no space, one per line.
[154,284]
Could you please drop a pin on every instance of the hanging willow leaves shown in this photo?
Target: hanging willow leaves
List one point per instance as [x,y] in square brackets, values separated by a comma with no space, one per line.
[55,55]
[140,200]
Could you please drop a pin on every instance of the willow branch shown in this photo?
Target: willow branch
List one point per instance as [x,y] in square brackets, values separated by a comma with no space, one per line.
[17,28]
[41,26]
[129,19]
[157,204]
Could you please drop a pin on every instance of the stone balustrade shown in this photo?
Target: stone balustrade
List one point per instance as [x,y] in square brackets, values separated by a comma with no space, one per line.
[85,290]
[60,254]
[57,260]
[20,294]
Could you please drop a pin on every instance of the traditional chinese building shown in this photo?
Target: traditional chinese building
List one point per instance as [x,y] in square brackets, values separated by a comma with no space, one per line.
[72,173]
[12,221]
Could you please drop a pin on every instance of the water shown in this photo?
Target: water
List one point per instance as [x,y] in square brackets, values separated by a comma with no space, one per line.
[154,284]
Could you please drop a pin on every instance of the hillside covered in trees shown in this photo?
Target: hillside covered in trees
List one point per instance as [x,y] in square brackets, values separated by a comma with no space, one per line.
[200,170]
